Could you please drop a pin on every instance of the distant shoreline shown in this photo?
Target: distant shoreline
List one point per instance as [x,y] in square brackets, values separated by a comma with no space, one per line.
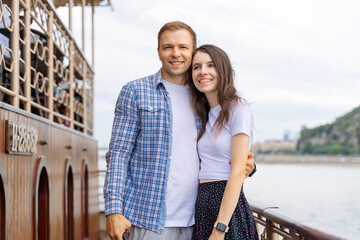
[307,159]
[290,158]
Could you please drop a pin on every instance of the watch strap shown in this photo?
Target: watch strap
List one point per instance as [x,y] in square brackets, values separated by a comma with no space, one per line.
[254,171]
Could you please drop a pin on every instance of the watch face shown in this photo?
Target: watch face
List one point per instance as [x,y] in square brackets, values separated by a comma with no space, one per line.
[221,227]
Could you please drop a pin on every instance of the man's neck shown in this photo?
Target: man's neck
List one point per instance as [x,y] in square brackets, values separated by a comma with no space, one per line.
[178,80]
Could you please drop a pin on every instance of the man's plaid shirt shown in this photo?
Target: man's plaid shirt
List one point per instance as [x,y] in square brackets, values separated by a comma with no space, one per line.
[138,160]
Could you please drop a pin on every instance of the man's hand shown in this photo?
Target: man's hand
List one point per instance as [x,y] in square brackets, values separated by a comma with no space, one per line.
[250,164]
[116,225]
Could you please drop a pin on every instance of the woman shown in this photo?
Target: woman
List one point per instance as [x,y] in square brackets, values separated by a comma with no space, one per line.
[222,211]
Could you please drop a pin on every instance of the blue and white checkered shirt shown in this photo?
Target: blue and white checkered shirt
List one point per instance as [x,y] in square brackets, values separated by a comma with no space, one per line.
[138,160]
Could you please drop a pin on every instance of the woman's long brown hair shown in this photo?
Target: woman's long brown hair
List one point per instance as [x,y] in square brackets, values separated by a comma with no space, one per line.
[227,96]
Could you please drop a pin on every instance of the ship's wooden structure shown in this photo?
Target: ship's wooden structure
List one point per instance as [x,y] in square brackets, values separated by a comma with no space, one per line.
[48,156]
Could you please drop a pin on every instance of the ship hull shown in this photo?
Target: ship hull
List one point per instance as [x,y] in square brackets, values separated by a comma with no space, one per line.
[49,191]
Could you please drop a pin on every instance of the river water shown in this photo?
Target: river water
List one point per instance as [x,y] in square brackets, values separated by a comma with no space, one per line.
[328,194]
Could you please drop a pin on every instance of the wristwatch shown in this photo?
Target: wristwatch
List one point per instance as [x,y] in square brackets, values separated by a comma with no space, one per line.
[221,227]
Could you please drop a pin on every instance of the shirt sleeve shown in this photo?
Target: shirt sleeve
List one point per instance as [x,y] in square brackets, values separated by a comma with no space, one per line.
[123,139]
[242,120]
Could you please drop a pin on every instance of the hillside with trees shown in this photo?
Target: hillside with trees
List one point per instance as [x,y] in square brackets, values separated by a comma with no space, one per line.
[340,137]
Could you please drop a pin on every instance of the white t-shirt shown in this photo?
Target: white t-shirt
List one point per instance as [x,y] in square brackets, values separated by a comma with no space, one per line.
[215,152]
[184,166]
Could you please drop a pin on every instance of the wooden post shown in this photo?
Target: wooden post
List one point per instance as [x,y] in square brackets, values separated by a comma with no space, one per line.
[92,35]
[84,96]
[14,45]
[50,72]
[83,24]
[27,57]
[71,81]
[71,3]
[270,234]
[92,105]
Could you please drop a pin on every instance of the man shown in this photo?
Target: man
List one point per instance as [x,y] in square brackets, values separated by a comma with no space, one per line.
[152,172]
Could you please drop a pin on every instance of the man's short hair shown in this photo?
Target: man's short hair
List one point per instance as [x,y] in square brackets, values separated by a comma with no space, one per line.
[174,26]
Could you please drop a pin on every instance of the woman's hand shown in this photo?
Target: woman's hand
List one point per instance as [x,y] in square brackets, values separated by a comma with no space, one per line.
[217,235]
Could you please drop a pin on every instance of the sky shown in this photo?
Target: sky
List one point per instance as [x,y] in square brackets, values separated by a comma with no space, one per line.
[297,62]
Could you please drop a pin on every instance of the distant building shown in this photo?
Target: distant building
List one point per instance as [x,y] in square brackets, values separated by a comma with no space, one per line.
[275,146]
[287,135]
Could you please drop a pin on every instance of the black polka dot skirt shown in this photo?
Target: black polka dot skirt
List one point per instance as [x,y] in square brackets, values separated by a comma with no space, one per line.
[242,224]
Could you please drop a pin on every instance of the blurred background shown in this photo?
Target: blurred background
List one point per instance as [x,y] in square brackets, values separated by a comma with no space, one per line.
[297,62]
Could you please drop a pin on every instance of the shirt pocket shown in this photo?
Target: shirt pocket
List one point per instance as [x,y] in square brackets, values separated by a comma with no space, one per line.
[151,112]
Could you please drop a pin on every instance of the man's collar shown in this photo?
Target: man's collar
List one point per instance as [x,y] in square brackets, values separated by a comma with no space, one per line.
[157,78]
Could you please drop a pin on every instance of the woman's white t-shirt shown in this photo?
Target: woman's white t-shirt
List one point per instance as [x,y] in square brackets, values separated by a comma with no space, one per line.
[215,151]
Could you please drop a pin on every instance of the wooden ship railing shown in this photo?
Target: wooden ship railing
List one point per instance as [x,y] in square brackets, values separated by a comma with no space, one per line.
[43,71]
[276,224]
